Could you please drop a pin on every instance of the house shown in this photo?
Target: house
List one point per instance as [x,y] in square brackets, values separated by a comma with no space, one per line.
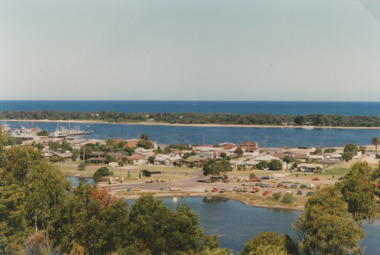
[163,159]
[249,146]
[97,157]
[137,159]
[66,155]
[144,152]
[308,167]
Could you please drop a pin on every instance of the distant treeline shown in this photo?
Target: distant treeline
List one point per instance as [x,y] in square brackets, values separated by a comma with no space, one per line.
[321,120]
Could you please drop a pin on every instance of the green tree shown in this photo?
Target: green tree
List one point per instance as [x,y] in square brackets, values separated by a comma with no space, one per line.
[275,165]
[282,244]
[358,189]
[299,120]
[287,159]
[376,141]
[144,137]
[262,165]
[82,166]
[326,226]
[75,155]
[151,159]
[145,144]
[239,152]
[223,155]
[43,133]
[101,172]
[213,167]
[351,149]
[85,151]
[31,190]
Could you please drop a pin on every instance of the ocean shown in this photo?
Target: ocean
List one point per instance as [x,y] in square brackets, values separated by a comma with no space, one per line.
[239,107]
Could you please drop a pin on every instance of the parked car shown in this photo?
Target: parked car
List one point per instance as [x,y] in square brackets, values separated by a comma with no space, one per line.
[136,189]
[299,193]
[266,192]
[293,186]
[297,182]
[207,189]
[214,189]
[256,179]
[341,178]
[287,181]
[303,186]
[316,179]
[175,188]
[311,186]
[265,177]
[280,185]
[222,190]
[265,185]
[310,193]
[318,187]
[254,190]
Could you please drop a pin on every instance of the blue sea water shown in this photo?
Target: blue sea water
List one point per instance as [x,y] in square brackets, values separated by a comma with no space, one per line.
[240,107]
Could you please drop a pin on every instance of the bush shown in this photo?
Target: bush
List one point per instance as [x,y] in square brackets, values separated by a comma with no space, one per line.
[275,165]
[101,172]
[288,198]
[82,166]
[276,196]
[252,175]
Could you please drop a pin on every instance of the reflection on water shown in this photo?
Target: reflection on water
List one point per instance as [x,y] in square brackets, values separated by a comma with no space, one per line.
[235,223]
[76,180]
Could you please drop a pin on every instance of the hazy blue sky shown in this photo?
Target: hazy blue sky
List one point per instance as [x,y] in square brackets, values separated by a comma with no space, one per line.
[190,49]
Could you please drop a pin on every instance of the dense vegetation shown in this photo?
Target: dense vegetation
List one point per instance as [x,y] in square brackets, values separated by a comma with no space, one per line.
[199,118]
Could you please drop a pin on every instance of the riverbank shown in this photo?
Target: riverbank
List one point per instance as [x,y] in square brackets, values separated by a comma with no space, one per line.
[247,200]
[184,125]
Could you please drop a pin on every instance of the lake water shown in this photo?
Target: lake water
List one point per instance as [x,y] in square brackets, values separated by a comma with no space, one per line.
[241,107]
[76,180]
[235,223]
[271,137]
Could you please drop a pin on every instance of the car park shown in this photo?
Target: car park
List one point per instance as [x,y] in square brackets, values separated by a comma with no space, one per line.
[222,190]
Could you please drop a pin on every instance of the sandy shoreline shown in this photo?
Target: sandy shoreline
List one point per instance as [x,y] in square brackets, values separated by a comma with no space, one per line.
[184,125]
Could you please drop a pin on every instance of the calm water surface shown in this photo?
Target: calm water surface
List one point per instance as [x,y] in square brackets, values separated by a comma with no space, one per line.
[271,137]
[235,223]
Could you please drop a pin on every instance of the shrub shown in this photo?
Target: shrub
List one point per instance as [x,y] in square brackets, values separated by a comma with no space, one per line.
[276,196]
[101,172]
[288,198]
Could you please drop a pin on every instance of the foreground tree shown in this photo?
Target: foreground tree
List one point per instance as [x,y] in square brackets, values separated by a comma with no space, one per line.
[326,226]
[31,190]
[358,189]
[270,243]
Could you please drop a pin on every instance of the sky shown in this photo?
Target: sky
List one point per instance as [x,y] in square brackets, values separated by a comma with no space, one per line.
[288,50]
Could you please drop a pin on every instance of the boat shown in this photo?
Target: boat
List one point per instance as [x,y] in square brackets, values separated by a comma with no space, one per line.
[64,132]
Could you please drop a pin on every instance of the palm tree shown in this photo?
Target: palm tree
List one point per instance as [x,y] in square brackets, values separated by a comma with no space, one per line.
[376,141]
